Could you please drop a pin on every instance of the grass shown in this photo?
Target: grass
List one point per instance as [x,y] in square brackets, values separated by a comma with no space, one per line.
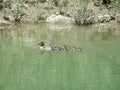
[38,9]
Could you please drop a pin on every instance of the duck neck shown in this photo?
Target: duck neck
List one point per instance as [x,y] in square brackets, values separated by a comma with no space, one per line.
[41,47]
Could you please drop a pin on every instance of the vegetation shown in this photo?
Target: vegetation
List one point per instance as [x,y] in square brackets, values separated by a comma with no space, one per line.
[84,16]
[35,10]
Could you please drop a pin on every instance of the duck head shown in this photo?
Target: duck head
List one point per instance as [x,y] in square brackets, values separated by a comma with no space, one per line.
[41,44]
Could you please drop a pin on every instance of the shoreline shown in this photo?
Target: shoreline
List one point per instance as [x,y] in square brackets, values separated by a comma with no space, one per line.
[36,13]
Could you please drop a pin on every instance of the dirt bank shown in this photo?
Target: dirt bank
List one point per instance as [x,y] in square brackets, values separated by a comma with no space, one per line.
[37,12]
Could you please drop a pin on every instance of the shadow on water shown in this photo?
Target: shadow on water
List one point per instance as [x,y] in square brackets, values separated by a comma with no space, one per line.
[24,67]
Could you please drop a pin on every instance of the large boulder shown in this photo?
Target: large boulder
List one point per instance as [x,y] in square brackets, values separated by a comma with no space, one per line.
[59,19]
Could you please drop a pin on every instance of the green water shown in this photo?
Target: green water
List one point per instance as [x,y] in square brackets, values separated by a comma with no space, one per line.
[24,67]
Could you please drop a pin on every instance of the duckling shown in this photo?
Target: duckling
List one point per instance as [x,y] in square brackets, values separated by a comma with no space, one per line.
[65,47]
[60,48]
[78,49]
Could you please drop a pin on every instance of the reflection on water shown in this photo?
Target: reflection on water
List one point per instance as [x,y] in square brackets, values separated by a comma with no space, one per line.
[104,35]
[58,27]
[24,67]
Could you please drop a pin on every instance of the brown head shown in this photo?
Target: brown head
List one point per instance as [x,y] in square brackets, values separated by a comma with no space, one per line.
[41,44]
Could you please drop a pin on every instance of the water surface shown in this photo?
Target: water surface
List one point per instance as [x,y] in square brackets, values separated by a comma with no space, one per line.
[24,67]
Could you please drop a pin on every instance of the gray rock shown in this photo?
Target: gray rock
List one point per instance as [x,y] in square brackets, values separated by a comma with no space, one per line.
[118,17]
[113,17]
[9,18]
[59,19]
[107,17]
[97,3]
[100,18]
[4,22]
[104,18]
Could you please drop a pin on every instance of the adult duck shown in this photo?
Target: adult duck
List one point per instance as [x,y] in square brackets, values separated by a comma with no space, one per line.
[45,48]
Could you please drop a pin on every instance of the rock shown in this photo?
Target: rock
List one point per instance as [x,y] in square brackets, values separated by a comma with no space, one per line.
[107,17]
[62,12]
[100,18]
[9,18]
[97,3]
[118,17]
[68,14]
[42,17]
[55,2]
[4,22]
[104,18]
[59,19]
[65,12]
[113,17]
[1,7]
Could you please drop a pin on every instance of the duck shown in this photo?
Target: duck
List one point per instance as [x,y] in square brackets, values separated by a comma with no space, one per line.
[79,49]
[65,47]
[45,48]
